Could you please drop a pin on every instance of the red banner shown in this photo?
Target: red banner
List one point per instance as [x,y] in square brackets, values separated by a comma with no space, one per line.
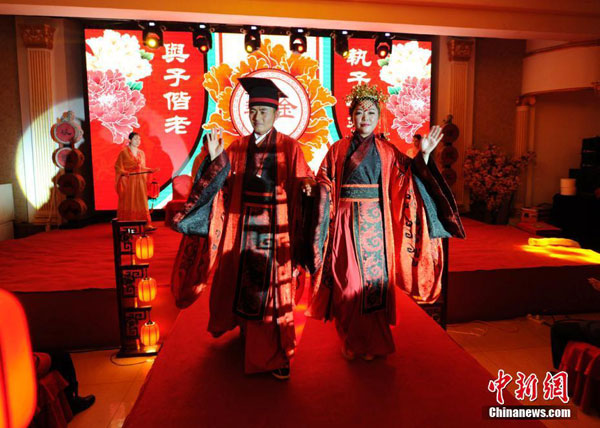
[156,93]
[405,74]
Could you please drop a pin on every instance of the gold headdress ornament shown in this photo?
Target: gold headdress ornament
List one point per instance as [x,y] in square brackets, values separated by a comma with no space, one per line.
[364,92]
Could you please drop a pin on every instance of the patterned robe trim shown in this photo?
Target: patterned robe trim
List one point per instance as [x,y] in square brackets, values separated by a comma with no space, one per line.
[369,242]
[208,182]
[257,246]
[256,264]
[319,228]
[191,271]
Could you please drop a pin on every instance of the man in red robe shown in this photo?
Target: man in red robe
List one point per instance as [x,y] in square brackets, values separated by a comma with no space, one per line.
[241,225]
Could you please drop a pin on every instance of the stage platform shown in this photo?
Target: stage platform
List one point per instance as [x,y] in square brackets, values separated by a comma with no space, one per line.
[494,274]
[65,280]
[428,382]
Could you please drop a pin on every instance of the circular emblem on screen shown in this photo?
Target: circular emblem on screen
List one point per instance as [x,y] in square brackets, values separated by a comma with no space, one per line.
[294,111]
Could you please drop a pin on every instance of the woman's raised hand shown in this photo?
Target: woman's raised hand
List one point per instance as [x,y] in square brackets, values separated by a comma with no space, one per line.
[430,141]
[214,143]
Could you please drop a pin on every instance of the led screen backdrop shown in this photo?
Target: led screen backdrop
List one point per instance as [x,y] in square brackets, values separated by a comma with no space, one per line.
[173,95]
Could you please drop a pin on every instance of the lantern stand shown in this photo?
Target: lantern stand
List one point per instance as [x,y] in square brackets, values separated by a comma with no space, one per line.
[131,315]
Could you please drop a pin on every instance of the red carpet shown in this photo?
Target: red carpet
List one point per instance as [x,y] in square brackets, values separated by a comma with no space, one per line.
[429,382]
[65,278]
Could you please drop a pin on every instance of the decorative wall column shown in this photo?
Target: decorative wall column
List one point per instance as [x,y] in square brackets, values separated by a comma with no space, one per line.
[524,142]
[461,55]
[38,40]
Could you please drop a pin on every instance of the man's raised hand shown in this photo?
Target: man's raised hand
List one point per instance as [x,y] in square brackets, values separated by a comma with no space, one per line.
[214,143]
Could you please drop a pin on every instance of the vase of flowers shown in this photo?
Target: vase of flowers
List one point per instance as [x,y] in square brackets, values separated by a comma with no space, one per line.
[493,177]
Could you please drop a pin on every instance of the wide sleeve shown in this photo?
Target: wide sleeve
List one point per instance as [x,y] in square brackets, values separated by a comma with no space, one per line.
[119,171]
[418,256]
[321,213]
[194,218]
[320,260]
[298,203]
[442,211]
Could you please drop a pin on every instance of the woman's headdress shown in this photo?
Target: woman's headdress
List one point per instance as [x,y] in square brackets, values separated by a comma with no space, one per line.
[364,92]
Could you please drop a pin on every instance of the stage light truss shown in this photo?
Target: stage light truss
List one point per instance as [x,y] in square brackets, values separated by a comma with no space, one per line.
[202,35]
[341,42]
[251,38]
[298,40]
[152,35]
[383,45]
[202,38]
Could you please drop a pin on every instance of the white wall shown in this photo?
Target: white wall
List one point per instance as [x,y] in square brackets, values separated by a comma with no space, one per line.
[562,120]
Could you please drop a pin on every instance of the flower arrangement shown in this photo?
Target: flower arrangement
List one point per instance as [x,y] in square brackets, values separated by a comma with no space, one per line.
[492,176]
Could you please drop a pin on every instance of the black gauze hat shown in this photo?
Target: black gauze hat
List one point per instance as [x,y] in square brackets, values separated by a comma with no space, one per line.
[262,92]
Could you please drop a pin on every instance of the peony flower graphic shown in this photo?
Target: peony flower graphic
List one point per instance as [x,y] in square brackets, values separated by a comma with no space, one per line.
[220,82]
[113,103]
[116,51]
[410,107]
[406,60]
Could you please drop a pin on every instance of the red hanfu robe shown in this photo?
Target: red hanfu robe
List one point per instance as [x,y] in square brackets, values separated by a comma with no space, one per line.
[251,248]
[372,233]
[132,189]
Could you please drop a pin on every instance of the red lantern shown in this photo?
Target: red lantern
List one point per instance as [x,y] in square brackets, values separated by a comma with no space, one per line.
[150,334]
[153,190]
[17,373]
[147,289]
[144,247]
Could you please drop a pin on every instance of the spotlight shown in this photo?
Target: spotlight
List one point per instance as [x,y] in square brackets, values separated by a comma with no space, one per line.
[341,43]
[152,35]
[252,39]
[383,45]
[298,41]
[202,38]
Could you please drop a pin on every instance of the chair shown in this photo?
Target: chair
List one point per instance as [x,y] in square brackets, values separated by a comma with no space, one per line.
[182,186]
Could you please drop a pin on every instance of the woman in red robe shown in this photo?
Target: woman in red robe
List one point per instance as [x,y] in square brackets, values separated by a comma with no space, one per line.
[131,175]
[379,223]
